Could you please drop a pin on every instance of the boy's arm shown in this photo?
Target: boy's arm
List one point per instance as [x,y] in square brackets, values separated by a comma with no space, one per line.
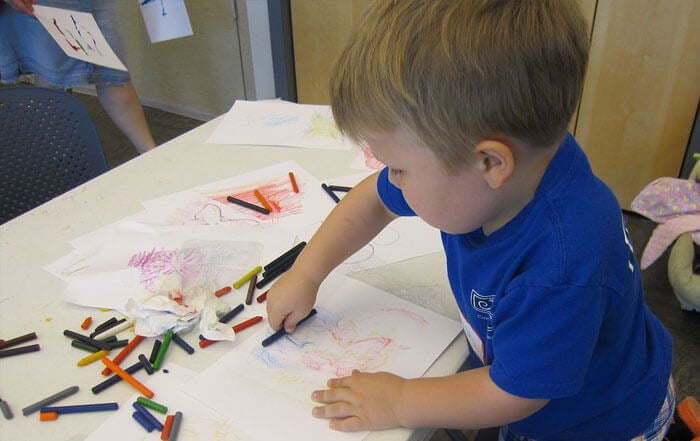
[466,400]
[357,218]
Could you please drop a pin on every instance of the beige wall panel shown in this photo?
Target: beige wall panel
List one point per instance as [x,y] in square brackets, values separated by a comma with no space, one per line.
[320,29]
[641,92]
[200,75]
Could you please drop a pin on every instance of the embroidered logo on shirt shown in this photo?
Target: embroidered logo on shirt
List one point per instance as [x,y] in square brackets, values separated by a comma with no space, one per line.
[482,304]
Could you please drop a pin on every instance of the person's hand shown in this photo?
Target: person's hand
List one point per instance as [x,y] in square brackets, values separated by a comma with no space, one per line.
[26,6]
[290,300]
[361,401]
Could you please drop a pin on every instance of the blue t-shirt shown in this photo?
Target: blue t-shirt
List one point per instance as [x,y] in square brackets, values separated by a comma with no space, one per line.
[553,301]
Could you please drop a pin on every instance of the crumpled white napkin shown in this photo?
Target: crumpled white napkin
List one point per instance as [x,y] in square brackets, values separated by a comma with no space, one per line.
[168,306]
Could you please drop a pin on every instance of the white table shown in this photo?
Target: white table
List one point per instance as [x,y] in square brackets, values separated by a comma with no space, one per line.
[30,297]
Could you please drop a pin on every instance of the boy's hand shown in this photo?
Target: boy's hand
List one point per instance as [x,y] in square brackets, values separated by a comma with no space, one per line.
[290,300]
[26,6]
[361,401]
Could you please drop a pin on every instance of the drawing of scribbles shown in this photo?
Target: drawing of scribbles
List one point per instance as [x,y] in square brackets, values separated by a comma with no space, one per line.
[77,36]
[197,263]
[322,125]
[205,212]
[209,429]
[335,346]
[277,193]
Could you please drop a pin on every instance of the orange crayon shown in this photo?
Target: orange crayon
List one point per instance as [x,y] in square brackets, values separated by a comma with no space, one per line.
[124,375]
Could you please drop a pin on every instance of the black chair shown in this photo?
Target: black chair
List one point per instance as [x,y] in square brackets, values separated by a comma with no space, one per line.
[48,145]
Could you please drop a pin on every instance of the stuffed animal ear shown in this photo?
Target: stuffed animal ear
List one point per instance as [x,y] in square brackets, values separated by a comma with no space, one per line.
[685,283]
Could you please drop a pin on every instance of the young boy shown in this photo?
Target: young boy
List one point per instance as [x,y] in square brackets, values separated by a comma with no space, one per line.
[467,103]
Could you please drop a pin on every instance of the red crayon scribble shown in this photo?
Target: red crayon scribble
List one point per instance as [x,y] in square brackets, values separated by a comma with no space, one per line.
[74,47]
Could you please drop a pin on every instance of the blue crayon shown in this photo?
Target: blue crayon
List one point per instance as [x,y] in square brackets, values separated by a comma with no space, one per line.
[81,408]
[114,379]
[330,193]
[231,314]
[277,335]
[138,416]
[183,344]
[153,421]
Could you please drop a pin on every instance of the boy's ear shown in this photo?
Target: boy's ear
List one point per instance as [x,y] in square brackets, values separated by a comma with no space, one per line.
[496,161]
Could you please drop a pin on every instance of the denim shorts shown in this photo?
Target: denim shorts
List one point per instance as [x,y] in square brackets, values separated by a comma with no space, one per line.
[26,47]
[655,432]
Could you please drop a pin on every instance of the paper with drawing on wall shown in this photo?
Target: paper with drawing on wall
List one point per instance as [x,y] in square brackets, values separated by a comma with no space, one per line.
[165,19]
[357,327]
[78,35]
[280,123]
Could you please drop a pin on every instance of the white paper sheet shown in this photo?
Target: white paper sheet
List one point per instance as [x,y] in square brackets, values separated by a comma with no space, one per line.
[280,123]
[357,327]
[165,19]
[78,35]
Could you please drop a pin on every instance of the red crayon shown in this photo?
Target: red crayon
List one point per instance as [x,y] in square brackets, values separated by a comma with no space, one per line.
[295,187]
[237,328]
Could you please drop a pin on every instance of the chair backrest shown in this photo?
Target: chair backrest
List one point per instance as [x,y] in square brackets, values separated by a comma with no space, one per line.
[48,145]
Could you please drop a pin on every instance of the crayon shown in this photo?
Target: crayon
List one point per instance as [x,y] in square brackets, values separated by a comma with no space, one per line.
[340,188]
[295,250]
[231,314]
[50,400]
[223,291]
[262,297]
[293,180]
[251,289]
[183,344]
[141,419]
[330,193]
[275,273]
[157,425]
[20,350]
[281,332]
[114,379]
[175,428]
[81,408]
[115,329]
[240,282]
[146,364]
[86,339]
[152,405]
[48,416]
[262,200]
[248,205]
[86,323]
[155,350]
[92,358]
[136,384]
[6,409]
[125,352]
[104,326]
[237,328]
[165,433]
[84,346]
[163,349]
[17,340]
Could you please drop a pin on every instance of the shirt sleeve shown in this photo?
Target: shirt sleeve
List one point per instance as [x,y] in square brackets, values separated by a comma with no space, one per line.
[392,196]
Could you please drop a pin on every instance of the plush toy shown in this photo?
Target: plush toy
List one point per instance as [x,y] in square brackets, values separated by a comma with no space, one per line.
[675,205]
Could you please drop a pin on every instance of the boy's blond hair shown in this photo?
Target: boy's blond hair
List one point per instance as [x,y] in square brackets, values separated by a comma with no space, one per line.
[455,72]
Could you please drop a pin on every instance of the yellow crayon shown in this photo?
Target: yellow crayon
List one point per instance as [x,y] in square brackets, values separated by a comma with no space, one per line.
[240,282]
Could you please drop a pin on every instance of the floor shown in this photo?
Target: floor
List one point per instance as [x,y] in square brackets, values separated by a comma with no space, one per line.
[683,325]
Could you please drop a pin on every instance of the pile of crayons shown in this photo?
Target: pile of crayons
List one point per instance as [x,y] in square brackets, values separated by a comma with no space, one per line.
[103,339]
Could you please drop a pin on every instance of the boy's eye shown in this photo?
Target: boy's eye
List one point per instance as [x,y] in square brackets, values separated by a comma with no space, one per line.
[395,172]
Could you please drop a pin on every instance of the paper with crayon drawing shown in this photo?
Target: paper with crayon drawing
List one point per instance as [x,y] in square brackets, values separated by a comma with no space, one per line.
[78,35]
[357,327]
